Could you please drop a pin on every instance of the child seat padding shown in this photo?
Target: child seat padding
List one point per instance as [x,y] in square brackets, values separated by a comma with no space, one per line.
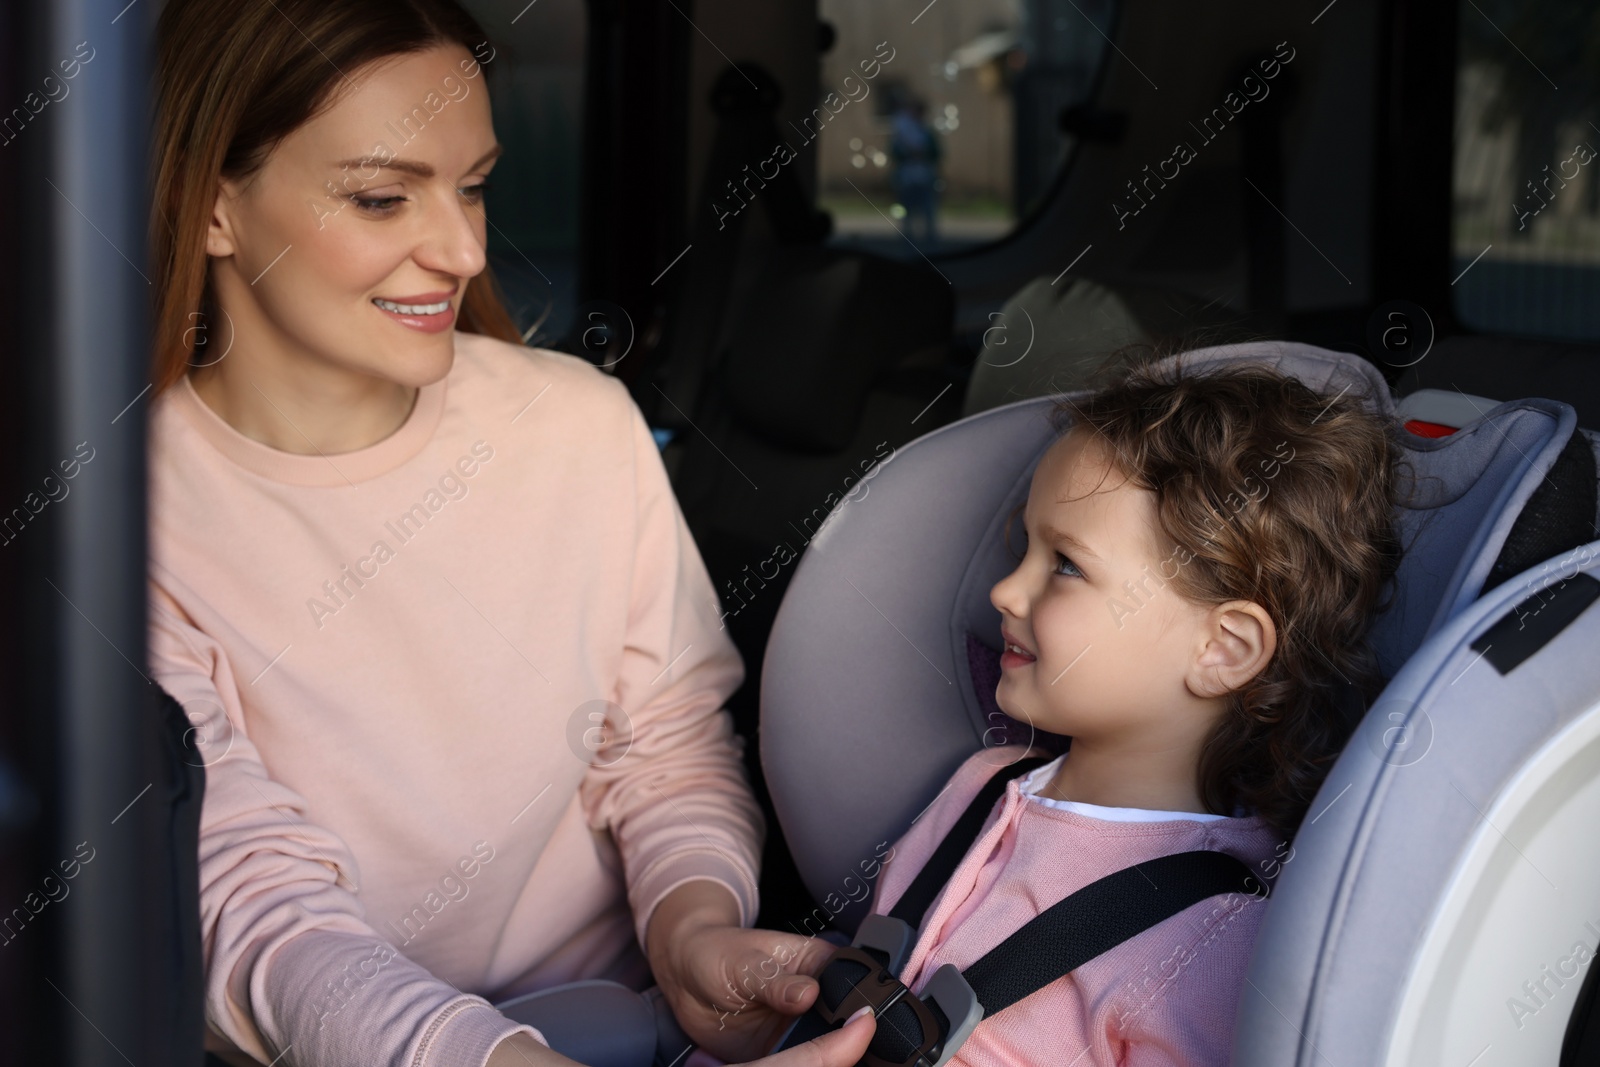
[1448,858]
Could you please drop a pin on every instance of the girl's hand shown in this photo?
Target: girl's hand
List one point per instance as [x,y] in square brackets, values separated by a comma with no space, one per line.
[733,990]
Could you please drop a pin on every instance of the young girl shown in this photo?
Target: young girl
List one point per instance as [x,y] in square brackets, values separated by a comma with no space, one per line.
[1204,551]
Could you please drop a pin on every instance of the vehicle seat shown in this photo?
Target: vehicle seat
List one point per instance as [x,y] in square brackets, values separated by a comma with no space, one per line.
[1049,337]
[873,689]
[603,1024]
[1433,908]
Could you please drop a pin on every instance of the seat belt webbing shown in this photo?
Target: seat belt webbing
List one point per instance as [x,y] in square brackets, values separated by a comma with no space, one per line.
[1099,917]
[1068,934]
[913,903]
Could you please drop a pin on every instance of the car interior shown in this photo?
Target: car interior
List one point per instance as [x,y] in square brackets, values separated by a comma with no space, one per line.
[837,346]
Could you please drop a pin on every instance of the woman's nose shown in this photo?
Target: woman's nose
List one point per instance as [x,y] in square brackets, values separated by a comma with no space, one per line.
[453,245]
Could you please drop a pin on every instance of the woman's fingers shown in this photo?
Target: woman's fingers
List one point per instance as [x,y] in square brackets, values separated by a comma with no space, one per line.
[843,1047]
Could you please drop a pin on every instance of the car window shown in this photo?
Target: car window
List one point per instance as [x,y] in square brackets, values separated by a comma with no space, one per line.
[1526,208]
[957,135]
[536,92]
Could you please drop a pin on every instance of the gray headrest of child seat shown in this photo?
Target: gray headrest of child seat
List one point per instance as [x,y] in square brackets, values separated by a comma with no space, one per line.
[867,697]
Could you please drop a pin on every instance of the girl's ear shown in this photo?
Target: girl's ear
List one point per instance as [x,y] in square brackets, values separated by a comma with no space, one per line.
[1237,640]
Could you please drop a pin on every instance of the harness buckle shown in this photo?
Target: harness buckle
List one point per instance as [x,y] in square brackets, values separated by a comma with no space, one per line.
[912,1031]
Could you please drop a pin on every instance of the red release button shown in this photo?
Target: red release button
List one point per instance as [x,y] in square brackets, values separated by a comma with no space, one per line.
[1429,429]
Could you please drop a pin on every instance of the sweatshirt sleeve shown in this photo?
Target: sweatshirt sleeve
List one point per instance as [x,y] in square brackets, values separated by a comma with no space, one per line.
[1183,1013]
[294,974]
[668,781]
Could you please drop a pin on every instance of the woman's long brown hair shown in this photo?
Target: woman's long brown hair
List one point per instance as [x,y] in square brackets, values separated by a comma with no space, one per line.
[232,82]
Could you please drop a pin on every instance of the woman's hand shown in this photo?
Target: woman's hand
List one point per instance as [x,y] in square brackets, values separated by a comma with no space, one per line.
[733,990]
[520,1050]
[843,1047]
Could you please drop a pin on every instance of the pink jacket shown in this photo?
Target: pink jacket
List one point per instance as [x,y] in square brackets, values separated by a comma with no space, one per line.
[1164,997]
[459,699]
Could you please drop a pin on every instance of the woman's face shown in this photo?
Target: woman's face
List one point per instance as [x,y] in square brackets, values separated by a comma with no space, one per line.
[378,198]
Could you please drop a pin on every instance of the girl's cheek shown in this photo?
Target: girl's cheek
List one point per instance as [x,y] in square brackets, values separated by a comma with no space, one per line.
[1054,625]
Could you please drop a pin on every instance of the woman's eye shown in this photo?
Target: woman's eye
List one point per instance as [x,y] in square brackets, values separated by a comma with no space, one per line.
[384,205]
[1066,567]
[379,205]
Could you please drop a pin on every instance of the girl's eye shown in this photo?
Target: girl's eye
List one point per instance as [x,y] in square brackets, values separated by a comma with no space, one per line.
[1071,569]
[475,192]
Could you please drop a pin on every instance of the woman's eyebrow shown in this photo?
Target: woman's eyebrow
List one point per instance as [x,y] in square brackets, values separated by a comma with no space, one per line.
[415,166]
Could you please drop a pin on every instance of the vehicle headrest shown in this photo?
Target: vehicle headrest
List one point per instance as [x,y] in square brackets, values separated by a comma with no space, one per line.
[848,318]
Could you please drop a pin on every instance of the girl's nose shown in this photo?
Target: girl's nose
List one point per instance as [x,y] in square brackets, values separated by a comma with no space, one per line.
[1008,596]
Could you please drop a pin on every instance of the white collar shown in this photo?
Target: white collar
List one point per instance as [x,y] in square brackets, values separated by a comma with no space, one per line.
[1038,779]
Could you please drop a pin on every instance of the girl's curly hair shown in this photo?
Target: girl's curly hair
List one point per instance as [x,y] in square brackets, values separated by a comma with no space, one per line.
[1285,497]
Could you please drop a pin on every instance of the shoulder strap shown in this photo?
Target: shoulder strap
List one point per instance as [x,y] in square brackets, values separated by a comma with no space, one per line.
[1063,937]
[913,903]
[1101,916]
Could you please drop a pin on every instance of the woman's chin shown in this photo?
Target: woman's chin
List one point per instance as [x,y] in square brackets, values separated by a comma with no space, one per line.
[422,366]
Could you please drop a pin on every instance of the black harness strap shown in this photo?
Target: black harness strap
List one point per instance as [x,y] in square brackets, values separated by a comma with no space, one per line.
[914,903]
[1099,917]
[1066,935]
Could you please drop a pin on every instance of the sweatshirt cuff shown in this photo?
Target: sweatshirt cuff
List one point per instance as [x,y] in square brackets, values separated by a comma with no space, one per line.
[465,1032]
[656,883]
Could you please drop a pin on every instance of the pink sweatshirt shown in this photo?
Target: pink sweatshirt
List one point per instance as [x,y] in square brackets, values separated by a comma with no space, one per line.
[398,661]
[1164,997]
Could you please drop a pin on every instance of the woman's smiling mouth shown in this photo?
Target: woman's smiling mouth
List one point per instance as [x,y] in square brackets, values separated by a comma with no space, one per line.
[429,313]
[411,309]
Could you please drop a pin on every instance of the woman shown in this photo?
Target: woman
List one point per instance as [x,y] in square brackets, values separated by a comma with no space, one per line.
[451,655]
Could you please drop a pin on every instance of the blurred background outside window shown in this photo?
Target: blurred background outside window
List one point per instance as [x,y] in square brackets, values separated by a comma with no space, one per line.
[536,91]
[1526,215]
[960,135]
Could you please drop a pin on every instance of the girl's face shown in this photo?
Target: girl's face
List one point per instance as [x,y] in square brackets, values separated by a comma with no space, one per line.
[377,198]
[1095,646]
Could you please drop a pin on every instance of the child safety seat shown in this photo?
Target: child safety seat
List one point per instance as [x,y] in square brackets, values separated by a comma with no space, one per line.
[1411,907]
